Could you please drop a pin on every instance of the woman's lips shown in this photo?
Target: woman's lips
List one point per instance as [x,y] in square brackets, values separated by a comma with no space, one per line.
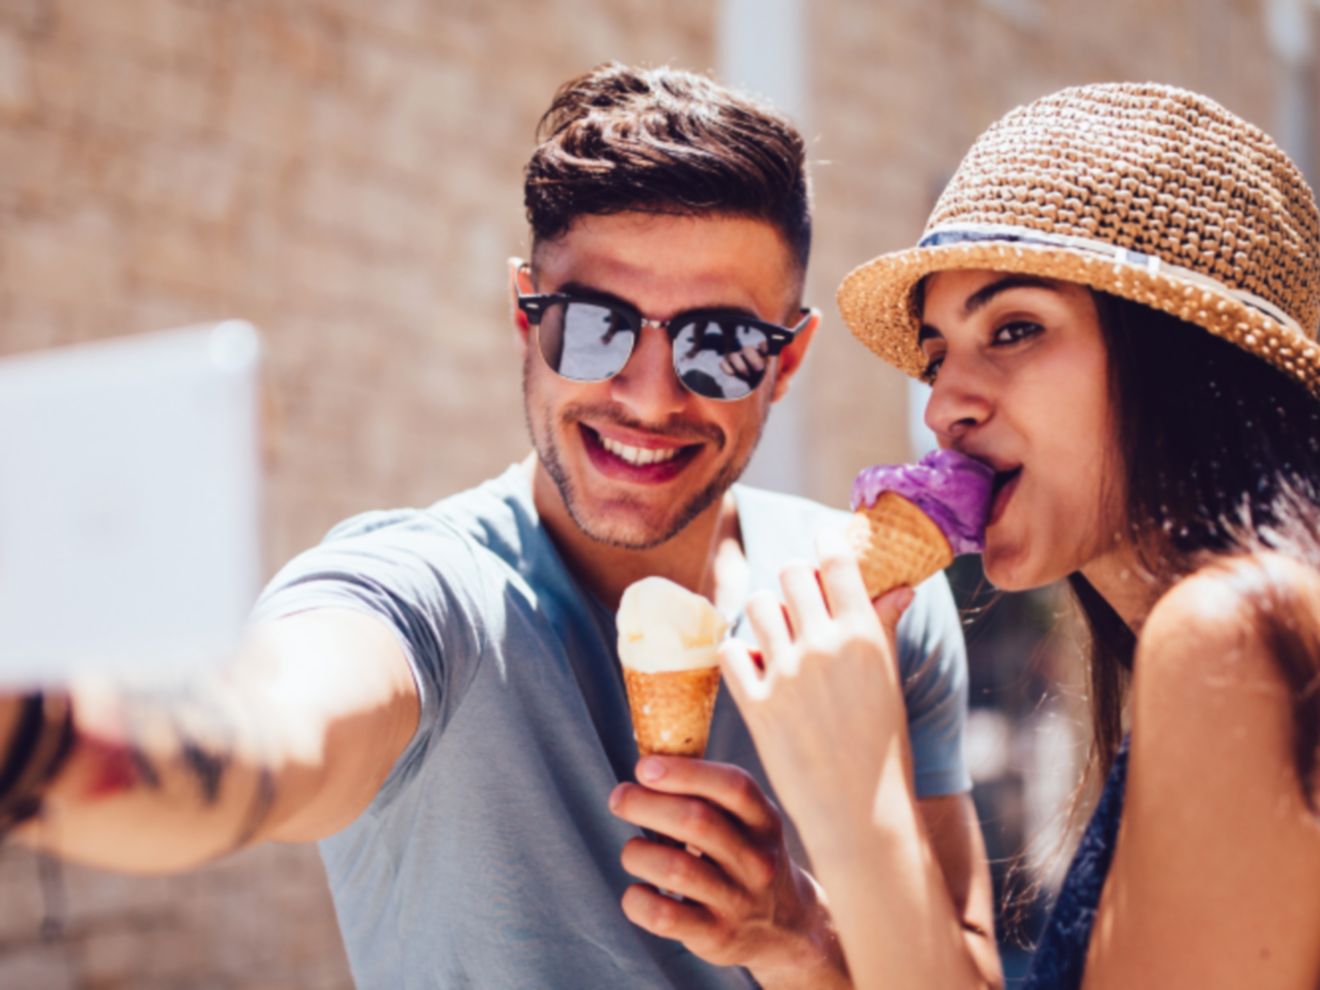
[618,467]
[1006,483]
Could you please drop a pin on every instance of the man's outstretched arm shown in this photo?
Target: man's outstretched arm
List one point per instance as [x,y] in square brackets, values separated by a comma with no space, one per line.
[288,742]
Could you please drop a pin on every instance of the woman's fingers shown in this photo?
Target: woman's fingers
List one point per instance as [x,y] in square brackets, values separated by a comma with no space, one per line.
[890,607]
[766,617]
[741,675]
[840,576]
[803,599]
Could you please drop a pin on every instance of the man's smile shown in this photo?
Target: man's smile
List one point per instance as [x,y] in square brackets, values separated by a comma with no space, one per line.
[638,459]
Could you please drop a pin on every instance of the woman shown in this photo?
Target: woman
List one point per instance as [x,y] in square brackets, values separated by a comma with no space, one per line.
[1116,303]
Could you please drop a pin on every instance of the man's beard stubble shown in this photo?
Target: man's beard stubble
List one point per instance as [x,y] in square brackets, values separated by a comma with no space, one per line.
[548,454]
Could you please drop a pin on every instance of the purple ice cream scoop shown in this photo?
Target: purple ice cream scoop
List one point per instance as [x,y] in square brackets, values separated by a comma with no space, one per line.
[951,488]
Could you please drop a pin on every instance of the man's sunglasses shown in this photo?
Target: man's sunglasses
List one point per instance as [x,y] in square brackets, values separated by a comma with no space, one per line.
[717,353]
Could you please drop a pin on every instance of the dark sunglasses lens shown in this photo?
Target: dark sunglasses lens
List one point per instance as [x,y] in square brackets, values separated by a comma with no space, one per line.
[721,358]
[584,341]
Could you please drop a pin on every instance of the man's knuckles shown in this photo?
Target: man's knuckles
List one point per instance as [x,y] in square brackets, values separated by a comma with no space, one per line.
[697,819]
[759,868]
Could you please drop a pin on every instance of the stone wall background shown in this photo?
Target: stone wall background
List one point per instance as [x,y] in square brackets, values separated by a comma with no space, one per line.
[348,176]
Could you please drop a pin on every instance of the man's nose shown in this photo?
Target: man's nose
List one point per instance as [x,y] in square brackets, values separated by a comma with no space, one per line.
[647,384]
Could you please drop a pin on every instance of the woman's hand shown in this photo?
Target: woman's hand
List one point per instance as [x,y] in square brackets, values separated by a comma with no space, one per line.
[827,714]
[825,706]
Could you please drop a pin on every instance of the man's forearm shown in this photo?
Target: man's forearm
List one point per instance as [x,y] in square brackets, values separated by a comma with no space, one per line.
[155,780]
[290,740]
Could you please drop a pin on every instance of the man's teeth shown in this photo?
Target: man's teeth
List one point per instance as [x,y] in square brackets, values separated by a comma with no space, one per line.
[638,455]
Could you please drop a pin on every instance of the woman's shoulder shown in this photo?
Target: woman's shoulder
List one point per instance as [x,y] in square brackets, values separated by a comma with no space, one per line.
[1225,608]
[1219,850]
[1219,665]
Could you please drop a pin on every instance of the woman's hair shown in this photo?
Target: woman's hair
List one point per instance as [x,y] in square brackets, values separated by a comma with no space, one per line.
[1219,456]
[620,139]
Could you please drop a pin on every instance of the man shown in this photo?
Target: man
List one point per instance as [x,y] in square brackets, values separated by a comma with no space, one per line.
[435,694]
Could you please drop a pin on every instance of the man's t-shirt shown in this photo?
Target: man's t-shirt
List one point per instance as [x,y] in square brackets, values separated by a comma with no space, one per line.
[489,857]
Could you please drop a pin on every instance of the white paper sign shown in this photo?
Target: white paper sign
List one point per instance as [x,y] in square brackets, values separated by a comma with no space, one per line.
[129,503]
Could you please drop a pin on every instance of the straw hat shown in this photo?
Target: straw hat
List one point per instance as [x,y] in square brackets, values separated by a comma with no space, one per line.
[1144,191]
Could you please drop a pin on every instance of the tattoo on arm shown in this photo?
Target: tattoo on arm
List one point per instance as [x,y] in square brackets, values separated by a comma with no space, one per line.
[34,756]
[202,727]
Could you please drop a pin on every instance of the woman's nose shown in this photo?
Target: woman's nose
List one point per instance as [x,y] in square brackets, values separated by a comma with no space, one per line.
[958,402]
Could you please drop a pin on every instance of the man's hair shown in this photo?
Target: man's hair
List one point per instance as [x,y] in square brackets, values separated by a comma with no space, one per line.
[620,139]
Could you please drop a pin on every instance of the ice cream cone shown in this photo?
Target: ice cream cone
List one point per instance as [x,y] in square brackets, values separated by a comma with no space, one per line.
[897,544]
[668,642]
[911,520]
[671,710]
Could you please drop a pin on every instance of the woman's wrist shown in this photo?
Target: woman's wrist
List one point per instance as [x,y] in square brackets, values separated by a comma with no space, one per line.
[840,826]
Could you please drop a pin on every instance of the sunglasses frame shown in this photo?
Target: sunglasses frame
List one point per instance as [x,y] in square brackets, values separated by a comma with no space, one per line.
[534,306]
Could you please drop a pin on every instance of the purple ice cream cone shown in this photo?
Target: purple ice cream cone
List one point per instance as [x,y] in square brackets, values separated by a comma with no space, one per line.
[952,488]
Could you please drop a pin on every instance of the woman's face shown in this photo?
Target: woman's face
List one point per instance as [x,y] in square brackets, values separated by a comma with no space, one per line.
[1019,374]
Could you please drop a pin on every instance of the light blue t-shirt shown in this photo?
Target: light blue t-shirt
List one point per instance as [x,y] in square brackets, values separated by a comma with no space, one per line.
[489,857]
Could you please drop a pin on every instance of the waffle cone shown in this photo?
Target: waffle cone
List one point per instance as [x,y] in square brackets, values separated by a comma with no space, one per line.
[671,710]
[897,544]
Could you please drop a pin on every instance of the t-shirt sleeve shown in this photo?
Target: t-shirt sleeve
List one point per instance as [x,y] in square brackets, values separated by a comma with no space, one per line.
[933,660]
[417,576]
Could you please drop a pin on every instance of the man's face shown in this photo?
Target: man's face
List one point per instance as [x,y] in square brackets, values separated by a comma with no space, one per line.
[636,458]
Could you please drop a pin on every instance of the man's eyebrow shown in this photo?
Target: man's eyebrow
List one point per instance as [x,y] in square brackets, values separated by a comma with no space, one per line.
[579,289]
[987,292]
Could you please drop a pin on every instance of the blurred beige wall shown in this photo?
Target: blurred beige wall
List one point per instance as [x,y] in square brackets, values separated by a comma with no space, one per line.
[347,174]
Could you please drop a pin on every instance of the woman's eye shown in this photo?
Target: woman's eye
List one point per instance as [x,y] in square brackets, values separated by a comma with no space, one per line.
[932,368]
[1011,333]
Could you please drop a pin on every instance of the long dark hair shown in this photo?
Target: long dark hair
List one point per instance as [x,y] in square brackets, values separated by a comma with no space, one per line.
[1220,460]
[621,139]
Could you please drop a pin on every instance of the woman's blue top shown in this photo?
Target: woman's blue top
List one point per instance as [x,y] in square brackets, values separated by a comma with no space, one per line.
[1061,954]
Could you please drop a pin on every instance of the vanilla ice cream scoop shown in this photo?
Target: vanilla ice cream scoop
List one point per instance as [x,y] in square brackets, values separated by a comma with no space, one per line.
[664,627]
[668,647]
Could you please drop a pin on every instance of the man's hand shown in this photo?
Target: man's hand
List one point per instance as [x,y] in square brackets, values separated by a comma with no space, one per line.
[744,901]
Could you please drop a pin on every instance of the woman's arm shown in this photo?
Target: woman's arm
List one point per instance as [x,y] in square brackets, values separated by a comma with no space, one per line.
[829,722]
[1216,874]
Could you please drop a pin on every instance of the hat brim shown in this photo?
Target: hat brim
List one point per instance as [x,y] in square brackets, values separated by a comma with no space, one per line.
[878,302]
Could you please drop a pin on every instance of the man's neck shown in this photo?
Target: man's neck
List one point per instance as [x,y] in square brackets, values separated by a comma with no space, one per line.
[705,556]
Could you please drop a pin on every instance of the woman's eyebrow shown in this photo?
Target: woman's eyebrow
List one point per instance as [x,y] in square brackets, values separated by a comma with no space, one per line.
[987,292]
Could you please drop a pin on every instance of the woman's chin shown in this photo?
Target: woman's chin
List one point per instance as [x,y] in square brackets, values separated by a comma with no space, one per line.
[1010,572]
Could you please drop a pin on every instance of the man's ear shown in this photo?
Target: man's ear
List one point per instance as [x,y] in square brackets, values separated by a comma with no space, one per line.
[790,358]
[520,282]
